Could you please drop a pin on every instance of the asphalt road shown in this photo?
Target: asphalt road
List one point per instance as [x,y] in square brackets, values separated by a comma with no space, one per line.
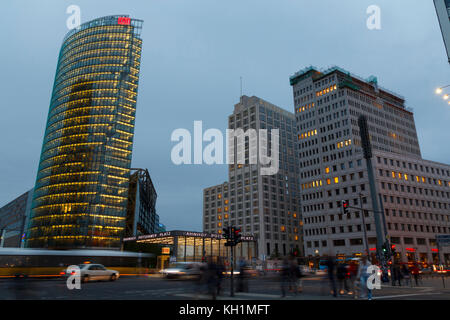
[155,288]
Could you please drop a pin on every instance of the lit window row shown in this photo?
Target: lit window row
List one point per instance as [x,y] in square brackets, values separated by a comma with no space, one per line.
[93,41]
[95,84]
[94,59]
[344,143]
[326,90]
[313,184]
[305,107]
[335,179]
[405,176]
[74,120]
[307,134]
[77,51]
[68,80]
[99,30]
[63,195]
[90,70]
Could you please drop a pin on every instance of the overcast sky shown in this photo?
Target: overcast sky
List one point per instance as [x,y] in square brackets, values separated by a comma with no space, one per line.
[194,53]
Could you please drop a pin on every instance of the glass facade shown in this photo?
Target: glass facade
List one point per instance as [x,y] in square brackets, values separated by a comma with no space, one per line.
[81,189]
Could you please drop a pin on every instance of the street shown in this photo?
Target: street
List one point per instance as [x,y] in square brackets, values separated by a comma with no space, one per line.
[156,288]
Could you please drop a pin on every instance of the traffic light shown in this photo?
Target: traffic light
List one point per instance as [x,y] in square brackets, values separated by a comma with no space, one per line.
[233,236]
[345,206]
[393,250]
[226,233]
[237,236]
[385,250]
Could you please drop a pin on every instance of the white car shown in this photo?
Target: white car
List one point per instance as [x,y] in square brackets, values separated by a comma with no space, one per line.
[183,270]
[93,272]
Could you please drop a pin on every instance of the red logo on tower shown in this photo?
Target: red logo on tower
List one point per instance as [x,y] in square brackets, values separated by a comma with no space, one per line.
[123,20]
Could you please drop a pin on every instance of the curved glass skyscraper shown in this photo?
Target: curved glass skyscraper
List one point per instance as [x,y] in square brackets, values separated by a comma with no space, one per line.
[81,190]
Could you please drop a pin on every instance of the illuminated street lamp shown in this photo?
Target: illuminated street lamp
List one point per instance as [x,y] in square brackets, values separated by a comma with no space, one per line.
[440,89]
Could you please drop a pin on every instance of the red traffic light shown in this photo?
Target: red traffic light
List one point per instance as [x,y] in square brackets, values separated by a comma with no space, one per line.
[345,206]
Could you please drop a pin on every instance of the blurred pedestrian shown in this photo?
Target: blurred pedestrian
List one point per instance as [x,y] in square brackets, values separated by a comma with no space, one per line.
[397,275]
[299,275]
[363,276]
[331,264]
[341,275]
[212,278]
[242,281]
[220,274]
[415,273]
[406,274]
[352,273]
[284,276]
[293,275]
[392,269]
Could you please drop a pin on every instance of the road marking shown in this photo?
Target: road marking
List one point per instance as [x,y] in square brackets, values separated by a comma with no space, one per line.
[407,295]
[155,291]
[405,287]
[207,297]
[264,295]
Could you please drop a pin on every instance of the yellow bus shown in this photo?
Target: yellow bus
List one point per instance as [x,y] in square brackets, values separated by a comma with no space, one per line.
[18,262]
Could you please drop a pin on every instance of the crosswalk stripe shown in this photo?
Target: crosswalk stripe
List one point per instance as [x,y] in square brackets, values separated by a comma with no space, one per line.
[406,295]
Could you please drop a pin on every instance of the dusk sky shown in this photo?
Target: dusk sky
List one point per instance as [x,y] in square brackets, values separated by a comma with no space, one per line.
[194,53]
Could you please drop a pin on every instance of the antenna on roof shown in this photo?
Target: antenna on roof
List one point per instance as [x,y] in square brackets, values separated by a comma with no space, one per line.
[241,85]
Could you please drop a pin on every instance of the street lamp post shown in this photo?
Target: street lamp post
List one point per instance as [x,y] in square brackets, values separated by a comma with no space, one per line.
[366,242]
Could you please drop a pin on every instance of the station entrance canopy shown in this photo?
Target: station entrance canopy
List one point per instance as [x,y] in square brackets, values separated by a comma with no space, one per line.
[188,246]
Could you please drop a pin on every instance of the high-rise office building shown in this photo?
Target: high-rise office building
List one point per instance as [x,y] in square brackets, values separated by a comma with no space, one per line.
[13,220]
[141,209]
[265,206]
[414,193]
[80,195]
[443,14]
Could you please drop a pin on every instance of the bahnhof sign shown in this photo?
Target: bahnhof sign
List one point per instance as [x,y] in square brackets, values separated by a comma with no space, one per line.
[187,246]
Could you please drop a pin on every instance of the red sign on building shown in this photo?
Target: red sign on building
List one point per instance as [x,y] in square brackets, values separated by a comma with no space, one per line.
[123,20]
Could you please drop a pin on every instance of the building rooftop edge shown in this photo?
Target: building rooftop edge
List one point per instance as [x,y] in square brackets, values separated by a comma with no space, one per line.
[267,103]
[90,22]
[332,69]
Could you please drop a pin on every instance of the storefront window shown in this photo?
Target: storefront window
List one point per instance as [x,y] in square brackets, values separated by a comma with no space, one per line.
[181,249]
[207,247]
[190,249]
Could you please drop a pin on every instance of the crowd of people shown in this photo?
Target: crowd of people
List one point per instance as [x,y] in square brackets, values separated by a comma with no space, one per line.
[291,276]
[352,277]
[400,273]
[213,273]
[344,277]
